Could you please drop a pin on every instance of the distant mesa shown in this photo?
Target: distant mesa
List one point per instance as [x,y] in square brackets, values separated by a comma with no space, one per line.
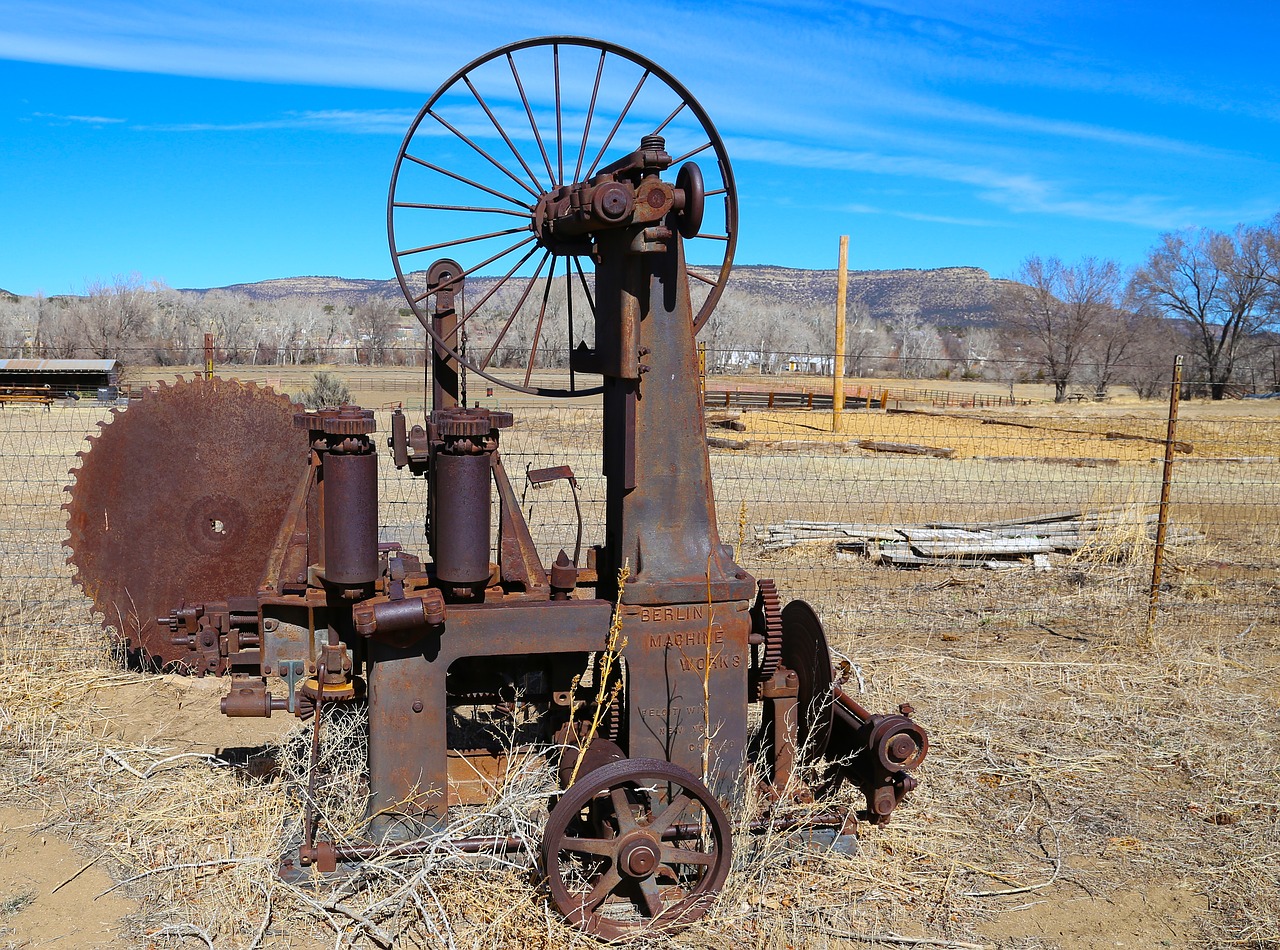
[944,296]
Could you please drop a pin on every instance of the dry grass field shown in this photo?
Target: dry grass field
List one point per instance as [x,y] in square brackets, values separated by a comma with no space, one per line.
[1090,784]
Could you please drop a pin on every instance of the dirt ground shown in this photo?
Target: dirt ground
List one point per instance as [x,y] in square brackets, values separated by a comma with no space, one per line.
[1086,788]
[51,894]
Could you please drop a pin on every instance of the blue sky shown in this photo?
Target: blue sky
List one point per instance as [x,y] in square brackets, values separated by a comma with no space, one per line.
[204,143]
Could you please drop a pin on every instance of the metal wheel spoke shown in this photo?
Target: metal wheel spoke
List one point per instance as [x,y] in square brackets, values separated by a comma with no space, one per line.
[484,263]
[711,237]
[585,289]
[490,292]
[503,132]
[483,154]
[568,296]
[687,155]
[622,809]
[466,240]
[616,125]
[718,191]
[467,181]
[602,847]
[555,58]
[515,311]
[532,122]
[542,315]
[650,896]
[586,130]
[667,121]
[431,207]
[705,280]
[601,889]
[670,854]
[669,814]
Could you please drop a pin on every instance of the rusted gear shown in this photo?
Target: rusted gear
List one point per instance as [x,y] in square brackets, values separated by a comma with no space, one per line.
[459,423]
[766,619]
[179,499]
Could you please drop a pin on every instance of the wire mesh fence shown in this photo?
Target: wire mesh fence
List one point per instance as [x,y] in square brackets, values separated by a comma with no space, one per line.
[922,511]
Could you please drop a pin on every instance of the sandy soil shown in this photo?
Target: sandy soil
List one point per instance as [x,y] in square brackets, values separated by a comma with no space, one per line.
[51,895]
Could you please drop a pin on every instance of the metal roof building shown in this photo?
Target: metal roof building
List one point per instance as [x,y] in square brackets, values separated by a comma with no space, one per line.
[61,376]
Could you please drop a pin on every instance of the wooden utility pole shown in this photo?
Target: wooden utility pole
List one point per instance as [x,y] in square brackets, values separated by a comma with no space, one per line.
[837,378]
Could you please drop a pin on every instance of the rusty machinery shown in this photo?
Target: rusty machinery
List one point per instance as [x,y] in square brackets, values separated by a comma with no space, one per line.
[251,545]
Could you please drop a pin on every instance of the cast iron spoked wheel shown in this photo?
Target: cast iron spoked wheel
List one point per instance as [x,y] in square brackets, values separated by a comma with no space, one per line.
[636,843]
[502,132]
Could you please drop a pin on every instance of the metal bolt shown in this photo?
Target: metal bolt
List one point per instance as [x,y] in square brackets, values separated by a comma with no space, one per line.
[417,706]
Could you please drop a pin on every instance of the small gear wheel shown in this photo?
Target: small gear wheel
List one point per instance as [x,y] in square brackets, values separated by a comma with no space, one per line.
[766,619]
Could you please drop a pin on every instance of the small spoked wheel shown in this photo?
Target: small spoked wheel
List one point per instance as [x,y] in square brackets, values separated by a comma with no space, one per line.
[636,843]
[507,131]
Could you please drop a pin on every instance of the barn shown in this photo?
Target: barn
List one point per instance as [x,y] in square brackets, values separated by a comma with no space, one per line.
[60,377]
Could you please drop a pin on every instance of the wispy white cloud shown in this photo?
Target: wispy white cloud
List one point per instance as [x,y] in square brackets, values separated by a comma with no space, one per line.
[84,119]
[927,218]
[358,121]
[1016,192]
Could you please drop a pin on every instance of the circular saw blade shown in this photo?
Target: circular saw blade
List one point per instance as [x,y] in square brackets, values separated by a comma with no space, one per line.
[179,498]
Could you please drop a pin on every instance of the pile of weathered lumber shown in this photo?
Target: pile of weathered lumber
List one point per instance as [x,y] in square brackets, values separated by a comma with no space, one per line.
[991,544]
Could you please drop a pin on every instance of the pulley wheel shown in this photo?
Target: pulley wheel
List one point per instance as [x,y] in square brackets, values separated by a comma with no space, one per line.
[805,652]
[507,129]
[633,844]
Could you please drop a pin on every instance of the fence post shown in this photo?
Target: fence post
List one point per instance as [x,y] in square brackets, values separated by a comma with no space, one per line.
[208,356]
[837,376]
[1162,525]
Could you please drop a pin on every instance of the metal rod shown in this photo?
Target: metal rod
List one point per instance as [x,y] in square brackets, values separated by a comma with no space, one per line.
[499,844]
[537,136]
[586,129]
[467,181]
[466,240]
[482,153]
[503,132]
[614,131]
[1166,480]
[484,263]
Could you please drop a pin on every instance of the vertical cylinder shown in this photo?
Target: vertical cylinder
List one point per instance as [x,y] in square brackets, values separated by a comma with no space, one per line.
[462,487]
[350,518]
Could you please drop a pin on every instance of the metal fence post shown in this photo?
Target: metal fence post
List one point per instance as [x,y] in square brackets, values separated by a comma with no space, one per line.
[1157,560]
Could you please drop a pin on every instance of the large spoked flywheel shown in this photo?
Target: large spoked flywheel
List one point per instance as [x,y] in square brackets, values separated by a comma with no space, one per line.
[497,138]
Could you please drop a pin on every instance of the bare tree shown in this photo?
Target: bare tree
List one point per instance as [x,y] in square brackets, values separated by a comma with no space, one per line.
[375,321]
[1055,310]
[1220,285]
[114,317]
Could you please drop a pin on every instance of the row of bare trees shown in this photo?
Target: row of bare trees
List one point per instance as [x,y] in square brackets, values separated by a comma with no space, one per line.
[146,322]
[1213,294]
[1082,326]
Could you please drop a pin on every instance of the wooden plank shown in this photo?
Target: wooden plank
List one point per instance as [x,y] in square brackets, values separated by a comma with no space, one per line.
[906,448]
